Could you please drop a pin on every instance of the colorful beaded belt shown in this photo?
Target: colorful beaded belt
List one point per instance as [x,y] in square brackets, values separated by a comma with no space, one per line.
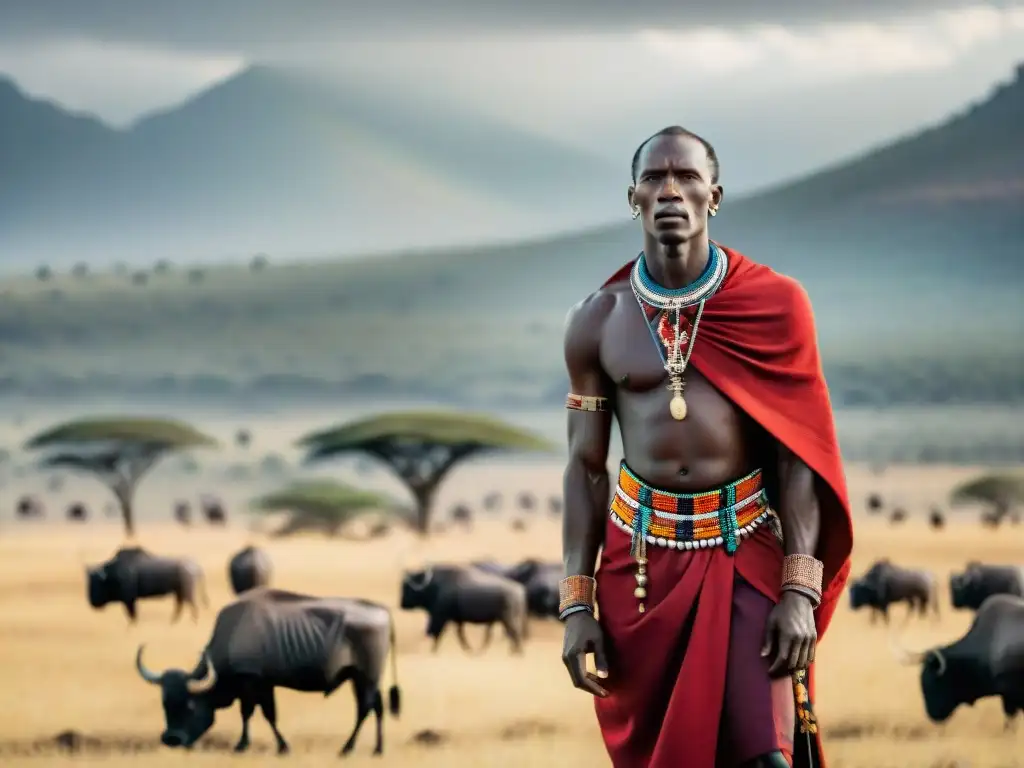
[689,520]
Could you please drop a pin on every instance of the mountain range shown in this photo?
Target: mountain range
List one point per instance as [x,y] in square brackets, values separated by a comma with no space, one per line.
[274,160]
[913,254]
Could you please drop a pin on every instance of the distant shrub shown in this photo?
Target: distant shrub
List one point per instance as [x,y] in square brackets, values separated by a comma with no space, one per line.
[196,276]
[162,267]
[80,270]
[44,273]
[140,278]
[259,262]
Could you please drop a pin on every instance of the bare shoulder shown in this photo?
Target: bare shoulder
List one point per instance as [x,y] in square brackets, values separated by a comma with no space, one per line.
[585,319]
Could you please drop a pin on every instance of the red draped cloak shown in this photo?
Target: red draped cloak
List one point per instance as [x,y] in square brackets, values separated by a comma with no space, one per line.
[757,345]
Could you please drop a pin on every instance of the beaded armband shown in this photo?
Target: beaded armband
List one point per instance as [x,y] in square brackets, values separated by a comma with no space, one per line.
[803,574]
[575,594]
[585,403]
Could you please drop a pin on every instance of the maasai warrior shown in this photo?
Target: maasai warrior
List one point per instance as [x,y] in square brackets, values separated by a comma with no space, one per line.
[726,544]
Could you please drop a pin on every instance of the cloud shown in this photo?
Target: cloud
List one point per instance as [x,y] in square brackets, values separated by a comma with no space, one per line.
[261,26]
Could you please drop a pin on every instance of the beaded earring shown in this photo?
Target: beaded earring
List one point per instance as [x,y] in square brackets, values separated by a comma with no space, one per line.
[636,214]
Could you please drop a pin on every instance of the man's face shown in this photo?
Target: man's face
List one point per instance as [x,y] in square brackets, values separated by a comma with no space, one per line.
[673,189]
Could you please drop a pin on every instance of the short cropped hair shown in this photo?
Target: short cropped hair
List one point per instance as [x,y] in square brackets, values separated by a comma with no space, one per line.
[678,130]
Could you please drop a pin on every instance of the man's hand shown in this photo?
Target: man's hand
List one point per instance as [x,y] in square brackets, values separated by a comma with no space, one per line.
[791,632]
[583,635]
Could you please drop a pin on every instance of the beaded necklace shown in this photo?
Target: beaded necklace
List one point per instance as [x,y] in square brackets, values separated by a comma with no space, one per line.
[663,311]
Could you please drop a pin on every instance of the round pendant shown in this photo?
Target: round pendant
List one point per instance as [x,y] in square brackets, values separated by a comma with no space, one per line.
[677,407]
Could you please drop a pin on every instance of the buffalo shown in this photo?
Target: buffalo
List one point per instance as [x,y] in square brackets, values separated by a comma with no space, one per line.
[986,661]
[270,638]
[248,569]
[885,584]
[29,507]
[77,513]
[466,595]
[213,511]
[183,512]
[540,579]
[133,574]
[978,582]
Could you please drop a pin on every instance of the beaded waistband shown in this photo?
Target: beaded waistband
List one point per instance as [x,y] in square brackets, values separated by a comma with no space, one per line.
[689,520]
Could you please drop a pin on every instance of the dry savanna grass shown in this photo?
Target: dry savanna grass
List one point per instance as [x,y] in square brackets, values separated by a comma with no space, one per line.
[65,667]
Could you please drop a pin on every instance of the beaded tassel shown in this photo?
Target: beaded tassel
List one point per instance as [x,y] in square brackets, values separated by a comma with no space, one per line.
[727,521]
[638,549]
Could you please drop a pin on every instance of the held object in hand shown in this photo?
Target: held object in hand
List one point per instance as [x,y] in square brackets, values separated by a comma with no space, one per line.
[575,594]
[803,574]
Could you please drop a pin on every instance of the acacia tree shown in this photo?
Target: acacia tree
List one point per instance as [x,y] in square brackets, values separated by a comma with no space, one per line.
[1000,492]
[117,451]
[420,447]
[323,506]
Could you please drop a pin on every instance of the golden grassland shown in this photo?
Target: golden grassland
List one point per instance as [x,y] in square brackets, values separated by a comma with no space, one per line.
[65,667]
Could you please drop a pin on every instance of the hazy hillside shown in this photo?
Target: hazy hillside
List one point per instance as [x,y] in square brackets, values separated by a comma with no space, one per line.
[917,296]
[271,160]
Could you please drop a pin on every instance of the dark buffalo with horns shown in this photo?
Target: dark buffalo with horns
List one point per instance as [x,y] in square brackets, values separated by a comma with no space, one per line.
[268,639]
[978,582]
[885,584]
[466,595]
[540,579]
[987,661]
[134,574]
[249,569]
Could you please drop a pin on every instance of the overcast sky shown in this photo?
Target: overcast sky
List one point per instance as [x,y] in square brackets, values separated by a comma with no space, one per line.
[781,87]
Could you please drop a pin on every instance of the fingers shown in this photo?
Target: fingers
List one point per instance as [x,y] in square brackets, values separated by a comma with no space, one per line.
[784,646]
[798,654]
[769,637]
[600,660]
[576,664]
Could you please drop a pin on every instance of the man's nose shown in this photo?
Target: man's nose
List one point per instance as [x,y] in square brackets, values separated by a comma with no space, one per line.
[670,191]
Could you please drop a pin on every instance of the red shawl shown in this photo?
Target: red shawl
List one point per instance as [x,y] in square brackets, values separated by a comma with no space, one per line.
[758,346]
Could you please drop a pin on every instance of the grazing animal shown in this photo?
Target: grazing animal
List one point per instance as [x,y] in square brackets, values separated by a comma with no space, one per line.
[885,584]
[936,519]
[268,639]
[77,513]
[978,582]
[466,595]
[214,512]
[183,512]
[987,661]
[897,516]
[134,574]
[555,505]
[540,579]
[248,569]
[875,503]
[29,507]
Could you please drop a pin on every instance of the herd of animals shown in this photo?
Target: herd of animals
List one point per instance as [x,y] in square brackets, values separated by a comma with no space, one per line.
[274,638]
[271,638]
[210,507]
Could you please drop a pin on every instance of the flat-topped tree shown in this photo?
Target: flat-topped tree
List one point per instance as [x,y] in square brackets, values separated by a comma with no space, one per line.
[421,447]
[322,505]
[1001,492]
[117,451]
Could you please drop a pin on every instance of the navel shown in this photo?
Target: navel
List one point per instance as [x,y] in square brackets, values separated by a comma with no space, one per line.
[624,381]
[684,472]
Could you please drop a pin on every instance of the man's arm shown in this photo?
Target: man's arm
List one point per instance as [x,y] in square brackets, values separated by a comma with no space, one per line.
[791,627]
[585,483]
[799,510]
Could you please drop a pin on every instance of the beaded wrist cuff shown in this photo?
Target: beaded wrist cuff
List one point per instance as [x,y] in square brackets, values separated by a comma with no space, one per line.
[575,593]
[803,573]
